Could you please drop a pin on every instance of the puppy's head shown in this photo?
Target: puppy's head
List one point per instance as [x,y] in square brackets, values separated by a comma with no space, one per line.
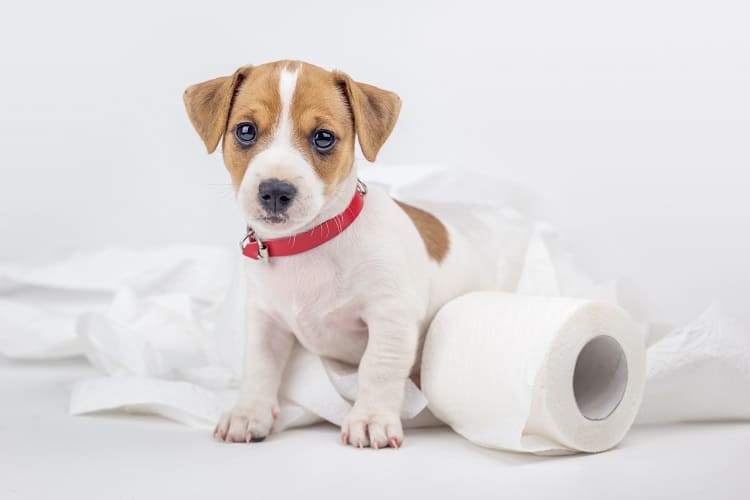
[287,131]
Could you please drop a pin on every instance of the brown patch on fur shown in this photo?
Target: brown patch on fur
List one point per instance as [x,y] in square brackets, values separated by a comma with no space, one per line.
[321,99]
[257,100]
[208,105]
[317,103]
[375,113]
[433,232]
[217,106]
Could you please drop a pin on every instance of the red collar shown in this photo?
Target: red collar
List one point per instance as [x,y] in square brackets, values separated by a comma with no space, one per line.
[256,249]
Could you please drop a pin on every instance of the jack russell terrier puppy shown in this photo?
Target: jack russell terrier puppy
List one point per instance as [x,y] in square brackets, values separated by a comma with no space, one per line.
[347,272]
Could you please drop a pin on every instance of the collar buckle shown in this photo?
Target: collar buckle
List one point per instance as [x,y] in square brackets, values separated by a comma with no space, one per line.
[252,238]
[361,187]
[262,250]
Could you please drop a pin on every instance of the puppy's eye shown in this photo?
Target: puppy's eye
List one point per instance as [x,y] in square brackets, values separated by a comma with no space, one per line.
[323,140]
[246,133]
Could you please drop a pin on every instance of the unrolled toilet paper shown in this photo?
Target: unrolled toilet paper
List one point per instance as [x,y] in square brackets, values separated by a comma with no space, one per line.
[165,329]
[534,374]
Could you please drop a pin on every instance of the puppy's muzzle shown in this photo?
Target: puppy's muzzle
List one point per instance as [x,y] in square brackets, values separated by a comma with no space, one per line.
[275,195]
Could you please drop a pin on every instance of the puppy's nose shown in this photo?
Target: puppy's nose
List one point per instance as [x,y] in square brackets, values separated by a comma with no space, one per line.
[276,195]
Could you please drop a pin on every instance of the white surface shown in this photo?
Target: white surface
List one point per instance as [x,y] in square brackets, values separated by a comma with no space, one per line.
[47,454]
[631,120]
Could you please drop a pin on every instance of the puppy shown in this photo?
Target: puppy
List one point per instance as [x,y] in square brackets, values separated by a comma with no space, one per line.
[347,272]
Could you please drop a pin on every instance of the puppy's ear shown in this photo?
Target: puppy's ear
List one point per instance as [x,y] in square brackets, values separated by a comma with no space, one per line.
[208,105]
[375,113]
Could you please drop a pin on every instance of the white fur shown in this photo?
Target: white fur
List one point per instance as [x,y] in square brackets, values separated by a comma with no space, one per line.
[287,85]
[365,297]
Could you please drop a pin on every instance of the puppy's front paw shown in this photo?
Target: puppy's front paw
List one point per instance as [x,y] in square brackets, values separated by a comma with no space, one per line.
[247,423]
[378,429]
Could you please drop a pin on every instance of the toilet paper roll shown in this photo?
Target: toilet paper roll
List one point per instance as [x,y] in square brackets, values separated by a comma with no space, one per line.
[534,374]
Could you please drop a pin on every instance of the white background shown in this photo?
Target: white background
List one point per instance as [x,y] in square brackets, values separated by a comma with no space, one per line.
[630,121]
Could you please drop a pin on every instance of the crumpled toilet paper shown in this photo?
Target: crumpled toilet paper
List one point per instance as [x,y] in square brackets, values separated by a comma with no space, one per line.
[165,326]
[699,372]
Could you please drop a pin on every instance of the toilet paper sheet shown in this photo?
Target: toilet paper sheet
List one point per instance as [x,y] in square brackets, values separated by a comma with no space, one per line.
[164,327]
